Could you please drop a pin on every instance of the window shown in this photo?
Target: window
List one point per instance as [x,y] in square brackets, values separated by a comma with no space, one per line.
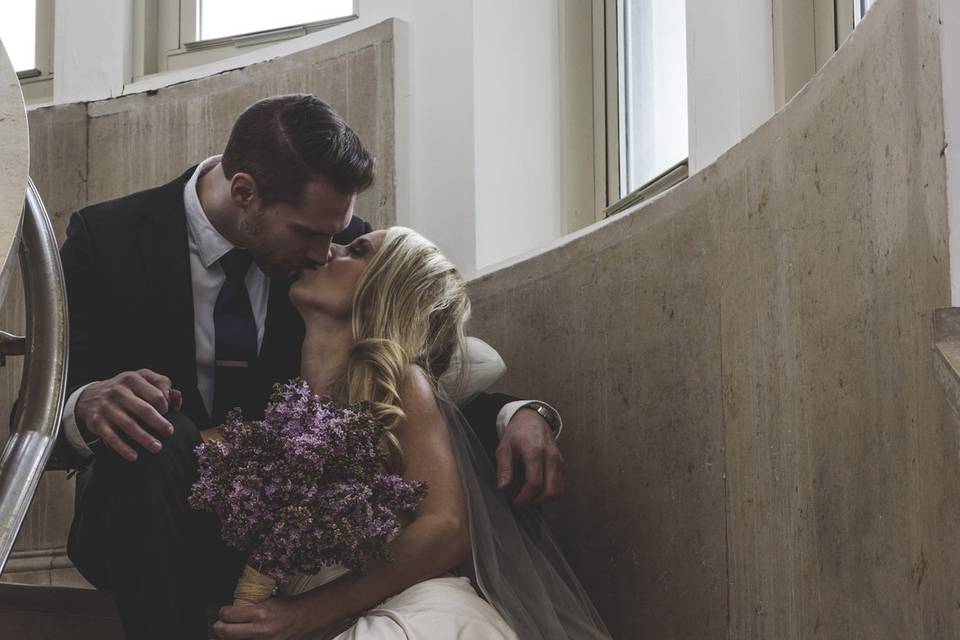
[652,65]
[177,34]
[860,8]
[644,141]
[27,34]
[224,18]
[18,31]
[646,120]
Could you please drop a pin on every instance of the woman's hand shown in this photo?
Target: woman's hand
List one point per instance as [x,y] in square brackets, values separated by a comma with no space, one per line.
[211,435]
[279,618]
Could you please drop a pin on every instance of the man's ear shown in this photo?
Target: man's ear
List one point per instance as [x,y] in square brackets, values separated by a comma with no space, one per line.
[243,190]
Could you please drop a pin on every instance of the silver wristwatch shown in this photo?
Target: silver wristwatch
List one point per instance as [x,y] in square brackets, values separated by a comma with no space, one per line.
[548,414]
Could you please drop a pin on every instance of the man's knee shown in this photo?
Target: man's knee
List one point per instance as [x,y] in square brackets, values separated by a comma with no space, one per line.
[186,435]
[176,453]
[121,499]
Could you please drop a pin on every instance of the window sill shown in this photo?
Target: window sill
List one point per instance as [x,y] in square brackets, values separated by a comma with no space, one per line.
[266,36]
[669,178]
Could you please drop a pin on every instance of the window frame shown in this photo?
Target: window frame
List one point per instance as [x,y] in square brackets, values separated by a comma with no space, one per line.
[190,24]
[608,66]
[165,36]
[806,35]
[846,20]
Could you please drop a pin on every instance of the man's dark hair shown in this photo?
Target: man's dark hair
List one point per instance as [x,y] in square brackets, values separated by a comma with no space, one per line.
[285,142]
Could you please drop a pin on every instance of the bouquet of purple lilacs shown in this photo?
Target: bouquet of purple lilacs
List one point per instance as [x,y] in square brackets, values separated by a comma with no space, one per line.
[301,489]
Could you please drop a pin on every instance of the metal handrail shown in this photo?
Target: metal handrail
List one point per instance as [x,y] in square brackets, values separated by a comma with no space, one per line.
[44,381]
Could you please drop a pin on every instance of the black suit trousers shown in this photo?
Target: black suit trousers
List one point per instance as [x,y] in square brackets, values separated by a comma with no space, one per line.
[135,535]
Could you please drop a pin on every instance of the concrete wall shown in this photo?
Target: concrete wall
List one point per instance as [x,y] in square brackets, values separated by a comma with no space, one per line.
[86,153]
[756,444]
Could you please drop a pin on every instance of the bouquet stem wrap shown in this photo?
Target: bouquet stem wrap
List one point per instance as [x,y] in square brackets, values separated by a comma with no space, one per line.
[253,587]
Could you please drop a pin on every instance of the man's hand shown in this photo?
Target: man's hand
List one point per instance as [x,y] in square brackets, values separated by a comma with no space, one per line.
[528,439]
[122,404]
[273,619]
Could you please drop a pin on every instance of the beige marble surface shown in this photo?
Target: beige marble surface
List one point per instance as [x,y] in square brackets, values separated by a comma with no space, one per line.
[14,163]
[757,445]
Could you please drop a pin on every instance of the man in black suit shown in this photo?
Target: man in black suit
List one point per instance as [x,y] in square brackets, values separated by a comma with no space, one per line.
[171,324]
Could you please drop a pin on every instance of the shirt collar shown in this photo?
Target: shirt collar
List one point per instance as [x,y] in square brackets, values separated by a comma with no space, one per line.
[211,246]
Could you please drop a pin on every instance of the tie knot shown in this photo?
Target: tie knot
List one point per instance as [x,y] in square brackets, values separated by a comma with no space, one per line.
[235,263]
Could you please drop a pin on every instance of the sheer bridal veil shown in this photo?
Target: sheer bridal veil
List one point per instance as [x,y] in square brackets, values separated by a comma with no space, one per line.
[518,566]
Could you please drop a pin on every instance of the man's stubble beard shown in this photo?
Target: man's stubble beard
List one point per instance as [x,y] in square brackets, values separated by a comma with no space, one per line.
[252,233]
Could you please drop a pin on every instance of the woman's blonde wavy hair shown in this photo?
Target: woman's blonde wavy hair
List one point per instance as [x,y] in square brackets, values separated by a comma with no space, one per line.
[410,307]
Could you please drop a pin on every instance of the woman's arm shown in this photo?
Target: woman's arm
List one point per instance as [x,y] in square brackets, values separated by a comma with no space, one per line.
[436,541]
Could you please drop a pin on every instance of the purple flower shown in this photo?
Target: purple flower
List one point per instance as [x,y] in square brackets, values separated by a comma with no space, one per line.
[305,486]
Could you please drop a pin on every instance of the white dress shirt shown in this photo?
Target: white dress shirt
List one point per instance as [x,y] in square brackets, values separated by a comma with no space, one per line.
[207,246]
[483,365]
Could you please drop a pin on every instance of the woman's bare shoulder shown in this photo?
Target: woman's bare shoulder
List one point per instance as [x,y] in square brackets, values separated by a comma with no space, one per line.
[418,396]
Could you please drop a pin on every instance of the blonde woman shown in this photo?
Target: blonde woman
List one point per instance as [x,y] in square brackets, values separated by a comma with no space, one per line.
[383,319]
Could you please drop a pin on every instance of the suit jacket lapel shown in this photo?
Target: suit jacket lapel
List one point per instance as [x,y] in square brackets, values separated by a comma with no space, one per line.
[166,264]
[165,251]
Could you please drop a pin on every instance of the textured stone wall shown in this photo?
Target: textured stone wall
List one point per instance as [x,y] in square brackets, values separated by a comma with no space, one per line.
[756,443]
[86,153]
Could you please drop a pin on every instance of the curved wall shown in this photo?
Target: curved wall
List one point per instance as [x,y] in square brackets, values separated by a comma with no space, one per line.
[756,444]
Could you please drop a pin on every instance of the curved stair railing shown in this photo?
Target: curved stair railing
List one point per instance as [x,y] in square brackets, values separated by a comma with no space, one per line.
[43,385]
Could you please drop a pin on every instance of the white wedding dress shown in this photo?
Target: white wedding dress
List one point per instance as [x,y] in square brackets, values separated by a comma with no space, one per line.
[528,589]
[437,609]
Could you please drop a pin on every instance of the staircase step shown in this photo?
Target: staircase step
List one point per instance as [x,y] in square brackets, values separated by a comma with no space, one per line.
[30,612]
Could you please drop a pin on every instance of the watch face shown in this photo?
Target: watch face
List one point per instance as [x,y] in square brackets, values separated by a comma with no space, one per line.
[547,416]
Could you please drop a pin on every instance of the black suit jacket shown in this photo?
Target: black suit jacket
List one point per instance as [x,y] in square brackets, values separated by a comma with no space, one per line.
[130,302]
